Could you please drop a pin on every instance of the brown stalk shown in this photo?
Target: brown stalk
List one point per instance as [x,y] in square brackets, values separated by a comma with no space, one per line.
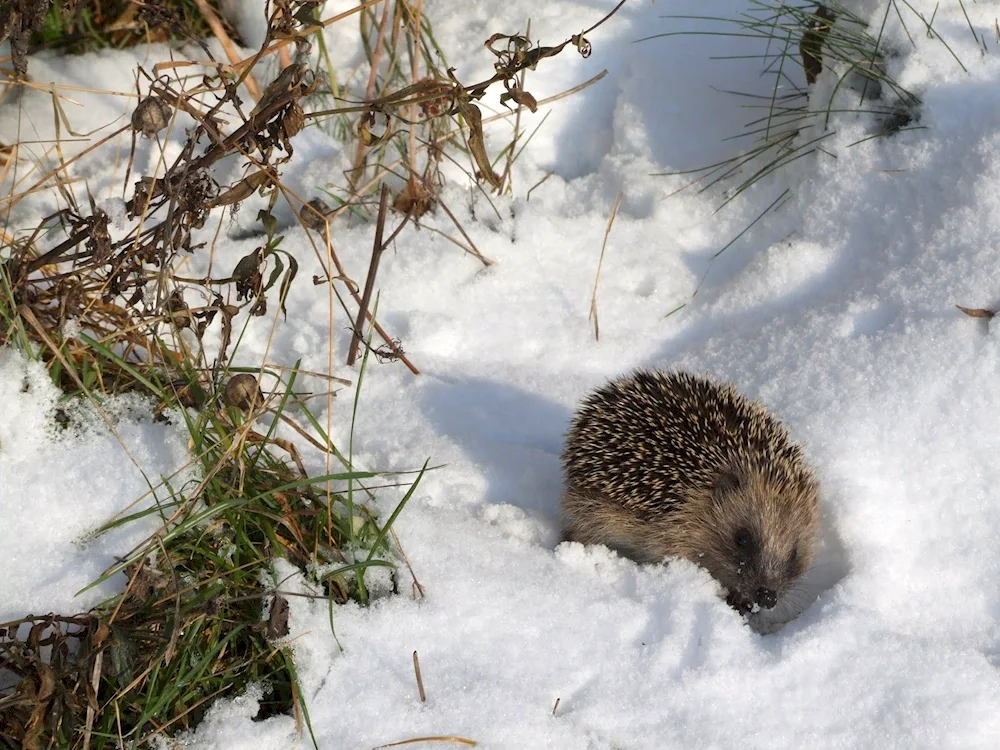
[437,738]
[366,298]
[597,278]
[393,346]
[285,57]
[420,680]
[227,44]
[414,77]
[359,153]
[505,178]
[474,250]
[341,275]
[95,681]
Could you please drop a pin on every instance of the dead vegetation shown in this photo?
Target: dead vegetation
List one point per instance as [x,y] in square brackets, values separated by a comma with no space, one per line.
[202,614]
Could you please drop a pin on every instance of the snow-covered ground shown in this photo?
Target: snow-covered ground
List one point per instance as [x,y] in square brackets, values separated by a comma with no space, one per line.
[837,311]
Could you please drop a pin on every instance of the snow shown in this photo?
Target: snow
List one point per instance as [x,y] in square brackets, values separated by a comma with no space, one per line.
[837,310]
[57,483]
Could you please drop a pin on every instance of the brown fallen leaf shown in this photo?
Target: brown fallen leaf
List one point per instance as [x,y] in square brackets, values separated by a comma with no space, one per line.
[811,46]
[474,119]
[976,312]
[277,623]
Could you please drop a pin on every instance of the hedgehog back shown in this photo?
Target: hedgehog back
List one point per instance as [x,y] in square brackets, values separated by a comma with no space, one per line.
[649,440]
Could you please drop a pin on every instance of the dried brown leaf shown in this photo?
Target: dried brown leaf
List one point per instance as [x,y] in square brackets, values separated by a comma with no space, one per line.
[414,199]
[243,190]
[811,46]
[313,214]
[520,97]
[977,312]
[277,622]
[365,128]
[474,119]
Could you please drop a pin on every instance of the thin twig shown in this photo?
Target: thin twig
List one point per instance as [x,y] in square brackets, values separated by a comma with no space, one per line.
[600,262]
[366,297]
[359,153]
[227,44]
[414,73]
[437,738]
[420,680]
[351,288]
[474,250]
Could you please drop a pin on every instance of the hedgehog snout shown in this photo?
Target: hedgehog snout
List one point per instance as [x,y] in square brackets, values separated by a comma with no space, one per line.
[763,598]
[766,598]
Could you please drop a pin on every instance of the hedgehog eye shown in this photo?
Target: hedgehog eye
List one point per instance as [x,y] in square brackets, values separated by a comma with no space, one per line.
[793,559]
[742,538]
[726,485]
[728,481]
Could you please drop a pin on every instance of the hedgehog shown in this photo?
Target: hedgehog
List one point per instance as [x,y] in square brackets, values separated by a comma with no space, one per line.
[669,464]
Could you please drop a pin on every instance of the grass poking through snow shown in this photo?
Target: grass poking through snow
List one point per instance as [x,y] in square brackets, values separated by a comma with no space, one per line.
[823,60]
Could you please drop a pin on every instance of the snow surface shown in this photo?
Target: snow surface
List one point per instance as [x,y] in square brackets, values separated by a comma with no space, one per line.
[63,471]
[837,311]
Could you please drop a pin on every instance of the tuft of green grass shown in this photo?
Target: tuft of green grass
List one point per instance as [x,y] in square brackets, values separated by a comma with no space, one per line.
[813,54]
[80,26]
[793,120]
[202,613]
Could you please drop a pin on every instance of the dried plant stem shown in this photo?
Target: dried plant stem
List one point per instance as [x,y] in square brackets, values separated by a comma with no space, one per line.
[472,249]
[227,44]
[253,59]
[366,298]
[600,262]
[414,76]
[95,681]
[505,178]
[327,452]
[359,154]
[437,738]
[420,680]
[342,274]
[417,586]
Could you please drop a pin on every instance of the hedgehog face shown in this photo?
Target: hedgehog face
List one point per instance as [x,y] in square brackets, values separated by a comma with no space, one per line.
[762,534]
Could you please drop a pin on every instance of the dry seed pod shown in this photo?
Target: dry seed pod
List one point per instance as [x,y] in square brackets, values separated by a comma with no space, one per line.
[178,309]
[243,392]
[151,116]
[314,214]
[414,199]
[294,119]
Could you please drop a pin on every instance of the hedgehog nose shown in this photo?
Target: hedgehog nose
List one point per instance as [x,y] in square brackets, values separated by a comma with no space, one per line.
[766,598]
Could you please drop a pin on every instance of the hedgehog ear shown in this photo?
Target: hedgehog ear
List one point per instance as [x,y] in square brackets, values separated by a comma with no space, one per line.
[726,483]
